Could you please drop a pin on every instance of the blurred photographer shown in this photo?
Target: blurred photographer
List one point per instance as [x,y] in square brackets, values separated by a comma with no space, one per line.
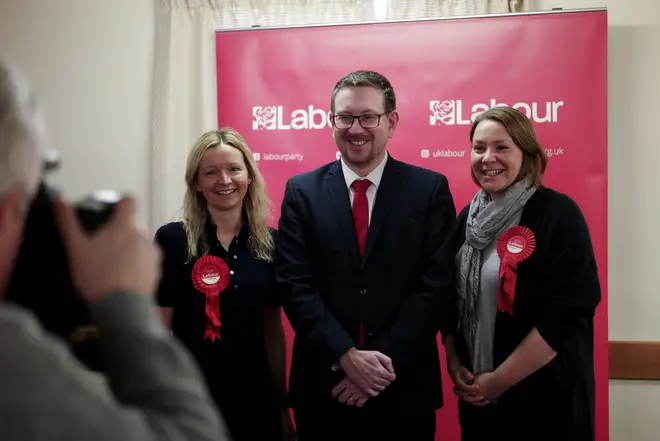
[153,390]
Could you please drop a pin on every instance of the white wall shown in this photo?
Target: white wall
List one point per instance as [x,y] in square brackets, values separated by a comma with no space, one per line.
[634,303]
[91,63]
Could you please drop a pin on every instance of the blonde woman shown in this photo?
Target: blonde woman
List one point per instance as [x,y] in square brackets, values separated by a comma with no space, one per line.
[217,292]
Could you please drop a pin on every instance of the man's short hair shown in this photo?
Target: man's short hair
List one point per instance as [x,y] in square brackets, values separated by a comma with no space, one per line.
[366,78]
[22,132]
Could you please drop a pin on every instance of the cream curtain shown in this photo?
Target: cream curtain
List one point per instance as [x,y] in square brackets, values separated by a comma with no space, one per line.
[411,9]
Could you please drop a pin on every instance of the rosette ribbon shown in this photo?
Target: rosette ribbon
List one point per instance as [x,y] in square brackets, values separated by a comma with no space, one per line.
[514,246]
[210,276]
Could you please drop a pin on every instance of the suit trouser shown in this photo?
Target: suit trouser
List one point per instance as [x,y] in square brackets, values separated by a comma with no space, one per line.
[353,424]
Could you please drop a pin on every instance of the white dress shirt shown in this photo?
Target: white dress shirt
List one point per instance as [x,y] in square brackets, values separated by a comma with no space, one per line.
[375,176]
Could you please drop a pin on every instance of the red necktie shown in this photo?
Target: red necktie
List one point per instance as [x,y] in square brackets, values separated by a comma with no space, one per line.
[361,211]
[361,222]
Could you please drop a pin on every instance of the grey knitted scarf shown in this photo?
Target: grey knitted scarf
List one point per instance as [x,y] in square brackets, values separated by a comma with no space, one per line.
[486,221]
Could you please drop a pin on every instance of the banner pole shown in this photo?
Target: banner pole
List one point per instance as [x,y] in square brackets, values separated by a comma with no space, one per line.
[258,27]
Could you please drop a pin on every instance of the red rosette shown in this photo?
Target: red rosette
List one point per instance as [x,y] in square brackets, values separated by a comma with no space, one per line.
[210,276]
[514,246]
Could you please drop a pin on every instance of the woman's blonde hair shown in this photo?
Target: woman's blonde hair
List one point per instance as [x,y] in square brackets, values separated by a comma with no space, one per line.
[255,203]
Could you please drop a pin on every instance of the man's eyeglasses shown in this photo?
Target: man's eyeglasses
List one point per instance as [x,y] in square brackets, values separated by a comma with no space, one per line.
[367,121]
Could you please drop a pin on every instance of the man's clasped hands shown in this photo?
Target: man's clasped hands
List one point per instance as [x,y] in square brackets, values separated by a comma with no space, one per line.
[368,373]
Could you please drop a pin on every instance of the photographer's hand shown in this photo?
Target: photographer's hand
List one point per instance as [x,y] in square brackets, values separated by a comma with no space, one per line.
[115,258]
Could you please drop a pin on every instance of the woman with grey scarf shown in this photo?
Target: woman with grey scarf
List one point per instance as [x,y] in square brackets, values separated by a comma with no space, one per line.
[521,355]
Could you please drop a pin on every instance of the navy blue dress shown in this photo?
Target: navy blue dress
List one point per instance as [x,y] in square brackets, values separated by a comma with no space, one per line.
[236,368]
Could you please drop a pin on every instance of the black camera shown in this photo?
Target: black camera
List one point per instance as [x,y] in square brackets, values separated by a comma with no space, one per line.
[41,281]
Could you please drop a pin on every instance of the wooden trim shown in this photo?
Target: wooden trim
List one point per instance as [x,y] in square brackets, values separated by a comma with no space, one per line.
[634,360]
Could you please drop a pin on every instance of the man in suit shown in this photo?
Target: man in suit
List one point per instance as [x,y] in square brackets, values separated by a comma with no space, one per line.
[366,282]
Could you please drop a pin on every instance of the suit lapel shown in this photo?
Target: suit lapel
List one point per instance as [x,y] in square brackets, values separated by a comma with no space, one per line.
[385,201]
[341,204]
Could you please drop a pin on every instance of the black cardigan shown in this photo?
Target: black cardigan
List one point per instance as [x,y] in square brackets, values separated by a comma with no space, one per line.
[557,291]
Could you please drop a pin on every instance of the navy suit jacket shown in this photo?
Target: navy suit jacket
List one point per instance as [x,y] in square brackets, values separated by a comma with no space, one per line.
[402,288]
